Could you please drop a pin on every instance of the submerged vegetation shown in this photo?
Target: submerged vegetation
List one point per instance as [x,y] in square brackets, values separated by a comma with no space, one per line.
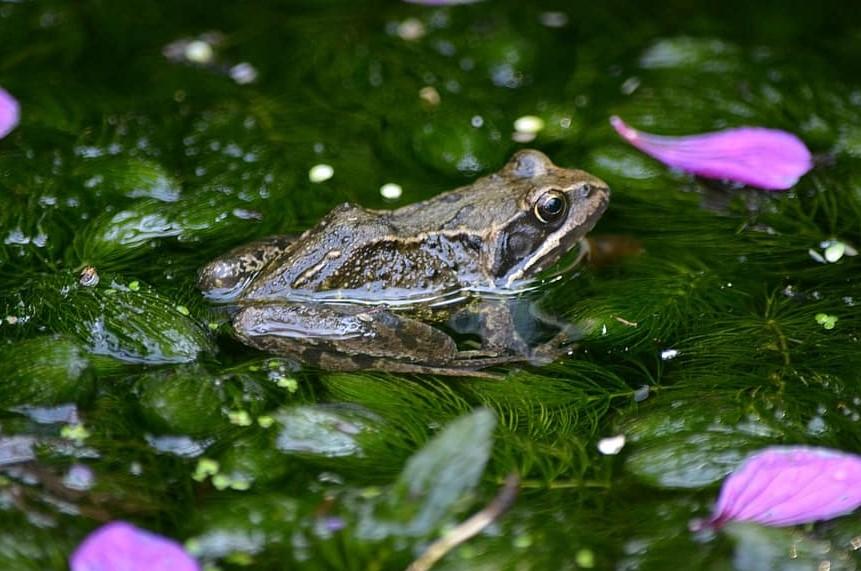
[731,324]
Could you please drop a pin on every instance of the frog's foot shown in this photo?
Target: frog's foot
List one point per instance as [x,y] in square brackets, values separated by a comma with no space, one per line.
[224,278]
[551,350]
[344,337]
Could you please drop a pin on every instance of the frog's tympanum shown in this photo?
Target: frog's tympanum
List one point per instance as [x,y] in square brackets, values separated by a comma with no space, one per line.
[386,290]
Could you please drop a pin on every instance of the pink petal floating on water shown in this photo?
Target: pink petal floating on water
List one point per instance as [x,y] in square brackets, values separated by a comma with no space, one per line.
[756,156]
[9,112]
[789,485]
[120,546]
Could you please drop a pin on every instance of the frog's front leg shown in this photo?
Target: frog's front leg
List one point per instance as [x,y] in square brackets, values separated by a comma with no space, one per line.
[224,278]
[344,337]
[516,327]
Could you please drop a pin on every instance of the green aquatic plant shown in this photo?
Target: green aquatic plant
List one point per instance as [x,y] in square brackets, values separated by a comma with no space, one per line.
[128,321]
[44,370]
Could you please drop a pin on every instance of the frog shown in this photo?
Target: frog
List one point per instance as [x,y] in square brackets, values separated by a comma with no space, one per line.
[391,290]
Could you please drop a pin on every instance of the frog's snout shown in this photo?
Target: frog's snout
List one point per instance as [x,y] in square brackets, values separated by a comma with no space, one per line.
[222,279]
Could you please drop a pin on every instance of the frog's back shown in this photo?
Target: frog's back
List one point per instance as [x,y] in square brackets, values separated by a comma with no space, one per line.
[364,255]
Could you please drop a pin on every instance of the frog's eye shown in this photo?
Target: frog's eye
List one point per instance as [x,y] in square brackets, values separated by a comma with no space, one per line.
[551,206]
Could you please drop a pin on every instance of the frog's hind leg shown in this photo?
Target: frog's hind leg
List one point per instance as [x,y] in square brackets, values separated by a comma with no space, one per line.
[344,337]
[224,278]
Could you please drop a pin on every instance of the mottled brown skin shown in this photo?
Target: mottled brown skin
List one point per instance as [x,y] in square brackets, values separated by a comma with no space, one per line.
[327,297]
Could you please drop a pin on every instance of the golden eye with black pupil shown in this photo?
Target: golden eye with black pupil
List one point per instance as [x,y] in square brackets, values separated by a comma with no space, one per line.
[550,206]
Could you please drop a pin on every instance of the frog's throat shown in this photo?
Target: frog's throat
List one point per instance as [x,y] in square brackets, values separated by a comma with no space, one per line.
[554,247]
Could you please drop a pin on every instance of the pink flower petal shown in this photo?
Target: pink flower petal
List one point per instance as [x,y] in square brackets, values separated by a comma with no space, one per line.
[120,546]
[764,158]
[788,485]
[9,112]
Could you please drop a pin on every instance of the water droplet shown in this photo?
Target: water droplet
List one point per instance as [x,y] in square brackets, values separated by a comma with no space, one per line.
[243,73]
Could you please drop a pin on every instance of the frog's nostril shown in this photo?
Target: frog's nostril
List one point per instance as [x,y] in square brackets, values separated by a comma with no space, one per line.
[585,191]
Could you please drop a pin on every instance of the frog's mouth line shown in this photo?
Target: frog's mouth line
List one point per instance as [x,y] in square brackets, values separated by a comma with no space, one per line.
[584,252]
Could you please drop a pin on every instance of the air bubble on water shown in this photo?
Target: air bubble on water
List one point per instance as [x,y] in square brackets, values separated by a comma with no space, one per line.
[469,164]
[553,19]
[79,477]
[630,85]
[816,425]
[16,236]
[64,413]
[182,446]
[243,73]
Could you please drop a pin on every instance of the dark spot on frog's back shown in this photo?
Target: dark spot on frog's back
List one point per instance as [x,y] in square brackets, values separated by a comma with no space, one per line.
[451,197]
[363,361]
[460,218]
[410,341]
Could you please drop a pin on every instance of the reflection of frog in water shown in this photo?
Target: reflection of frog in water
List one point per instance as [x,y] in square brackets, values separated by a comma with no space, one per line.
[361,289]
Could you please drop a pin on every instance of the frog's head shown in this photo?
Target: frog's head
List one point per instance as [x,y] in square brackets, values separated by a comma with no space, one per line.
[556,207]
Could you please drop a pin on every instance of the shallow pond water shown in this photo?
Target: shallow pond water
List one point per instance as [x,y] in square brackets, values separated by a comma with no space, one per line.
[155,136]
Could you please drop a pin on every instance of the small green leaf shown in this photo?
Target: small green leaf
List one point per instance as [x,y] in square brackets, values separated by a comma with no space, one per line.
[182,400]
[691,446]
[205,468]
[76,432]
[443,472]
[826,321]
[239,417]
